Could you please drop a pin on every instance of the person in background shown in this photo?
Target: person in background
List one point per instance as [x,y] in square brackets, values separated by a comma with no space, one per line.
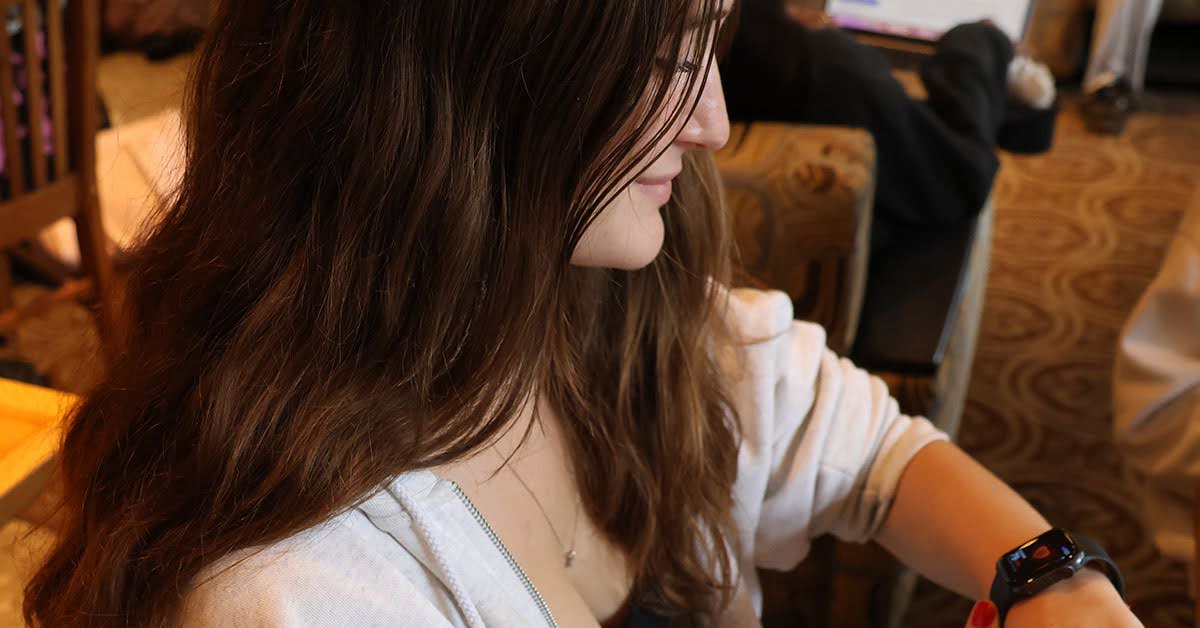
[1156,392]
[936,158]
[1116,71]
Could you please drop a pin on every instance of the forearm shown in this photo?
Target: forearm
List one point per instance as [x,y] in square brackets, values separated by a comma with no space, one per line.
[952,518]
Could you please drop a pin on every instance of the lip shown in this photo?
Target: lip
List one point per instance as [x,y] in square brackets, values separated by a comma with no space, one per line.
[658,180]
[657,188]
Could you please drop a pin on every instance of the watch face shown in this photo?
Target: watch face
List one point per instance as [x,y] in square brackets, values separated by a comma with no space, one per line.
[1039,557]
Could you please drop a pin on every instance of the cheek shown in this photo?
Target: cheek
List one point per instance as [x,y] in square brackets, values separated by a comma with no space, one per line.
[627,234]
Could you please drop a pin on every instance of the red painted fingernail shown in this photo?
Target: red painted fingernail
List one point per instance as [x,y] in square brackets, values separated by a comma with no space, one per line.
[984,614]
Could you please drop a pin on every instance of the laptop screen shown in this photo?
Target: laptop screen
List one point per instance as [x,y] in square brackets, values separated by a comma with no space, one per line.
[927,20]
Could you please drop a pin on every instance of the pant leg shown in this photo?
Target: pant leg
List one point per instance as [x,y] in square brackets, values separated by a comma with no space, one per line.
[1121,42]
[1147,15]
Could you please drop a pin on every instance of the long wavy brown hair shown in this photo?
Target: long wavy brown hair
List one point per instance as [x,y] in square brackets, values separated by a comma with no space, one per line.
[365,271]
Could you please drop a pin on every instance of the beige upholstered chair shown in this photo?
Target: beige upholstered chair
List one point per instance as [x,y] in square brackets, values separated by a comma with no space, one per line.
[817,255]
[801,198]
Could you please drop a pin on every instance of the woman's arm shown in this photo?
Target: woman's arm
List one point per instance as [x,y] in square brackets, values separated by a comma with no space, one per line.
[952,518]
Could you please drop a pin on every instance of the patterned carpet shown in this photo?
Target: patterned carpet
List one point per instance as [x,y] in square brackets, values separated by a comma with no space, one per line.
[1079,233]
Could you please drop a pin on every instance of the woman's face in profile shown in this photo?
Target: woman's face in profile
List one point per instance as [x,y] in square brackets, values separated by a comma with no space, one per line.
[628,232]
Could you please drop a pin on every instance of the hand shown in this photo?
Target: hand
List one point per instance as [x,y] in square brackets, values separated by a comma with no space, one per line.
[984,615]
[1086,600]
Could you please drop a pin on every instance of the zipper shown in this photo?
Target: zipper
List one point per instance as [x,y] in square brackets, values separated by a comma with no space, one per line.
[533,592]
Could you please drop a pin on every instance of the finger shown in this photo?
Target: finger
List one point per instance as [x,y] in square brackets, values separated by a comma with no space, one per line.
[984,615]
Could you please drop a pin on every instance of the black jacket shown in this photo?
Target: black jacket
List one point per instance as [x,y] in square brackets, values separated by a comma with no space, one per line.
[935,160]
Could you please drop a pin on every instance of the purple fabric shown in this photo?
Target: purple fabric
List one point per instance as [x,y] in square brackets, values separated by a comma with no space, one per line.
[20,86]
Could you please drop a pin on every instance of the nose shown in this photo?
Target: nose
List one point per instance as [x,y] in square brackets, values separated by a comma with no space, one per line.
[708,128]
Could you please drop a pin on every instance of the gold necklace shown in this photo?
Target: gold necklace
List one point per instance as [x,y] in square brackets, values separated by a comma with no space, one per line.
[568,552]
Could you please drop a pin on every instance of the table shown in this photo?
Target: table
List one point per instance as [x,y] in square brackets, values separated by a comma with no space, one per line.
[30,429]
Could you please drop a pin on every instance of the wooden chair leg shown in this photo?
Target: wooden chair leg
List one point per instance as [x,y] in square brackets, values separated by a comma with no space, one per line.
[83,20]
[6,283]
[869,588]
[97,266]
[1196,550]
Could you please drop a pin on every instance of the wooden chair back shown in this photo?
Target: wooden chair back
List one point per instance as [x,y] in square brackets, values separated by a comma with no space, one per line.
[49,178]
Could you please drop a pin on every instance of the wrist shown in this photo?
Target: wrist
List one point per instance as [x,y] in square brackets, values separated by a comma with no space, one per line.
[1051,565]
[984,569]
[1089,588]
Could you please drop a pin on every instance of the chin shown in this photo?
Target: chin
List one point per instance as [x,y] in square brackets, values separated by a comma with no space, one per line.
[641,250]
[632,254]
[634,257]
[636,262]
[625,237]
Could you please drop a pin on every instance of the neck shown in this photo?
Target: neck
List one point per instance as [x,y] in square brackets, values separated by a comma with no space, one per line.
[533,429]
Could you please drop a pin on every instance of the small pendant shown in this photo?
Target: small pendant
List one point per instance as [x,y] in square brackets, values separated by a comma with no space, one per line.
[569,559]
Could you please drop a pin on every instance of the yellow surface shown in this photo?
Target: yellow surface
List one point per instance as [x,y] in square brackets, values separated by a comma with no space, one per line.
[30,420]
[33,404]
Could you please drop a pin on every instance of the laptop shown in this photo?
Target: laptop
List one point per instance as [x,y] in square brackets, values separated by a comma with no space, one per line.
[906,30]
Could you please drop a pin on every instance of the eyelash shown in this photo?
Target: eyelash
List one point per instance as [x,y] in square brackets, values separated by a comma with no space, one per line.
[683,67]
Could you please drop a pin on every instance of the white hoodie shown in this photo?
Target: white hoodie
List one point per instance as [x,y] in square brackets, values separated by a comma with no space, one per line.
[822,451]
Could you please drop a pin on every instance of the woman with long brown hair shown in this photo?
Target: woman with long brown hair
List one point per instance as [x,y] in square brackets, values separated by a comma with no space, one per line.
[435,333]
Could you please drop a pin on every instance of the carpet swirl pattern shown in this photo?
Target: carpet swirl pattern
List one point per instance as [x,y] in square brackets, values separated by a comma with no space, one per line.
[1080,232]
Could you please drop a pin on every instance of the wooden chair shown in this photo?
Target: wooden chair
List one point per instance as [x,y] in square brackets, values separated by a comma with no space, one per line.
[42,190]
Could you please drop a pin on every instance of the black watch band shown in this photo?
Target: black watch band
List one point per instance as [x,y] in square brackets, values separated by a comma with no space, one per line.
[1066,554]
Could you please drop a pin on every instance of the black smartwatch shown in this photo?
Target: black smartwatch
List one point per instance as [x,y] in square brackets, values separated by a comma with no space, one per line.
[1041,562]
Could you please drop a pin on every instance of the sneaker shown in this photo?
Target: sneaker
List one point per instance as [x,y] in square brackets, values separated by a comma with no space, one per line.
[1106,110]
[1031,83]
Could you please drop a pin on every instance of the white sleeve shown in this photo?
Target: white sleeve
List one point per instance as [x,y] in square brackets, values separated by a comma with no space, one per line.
[1156,378]
[824,444]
